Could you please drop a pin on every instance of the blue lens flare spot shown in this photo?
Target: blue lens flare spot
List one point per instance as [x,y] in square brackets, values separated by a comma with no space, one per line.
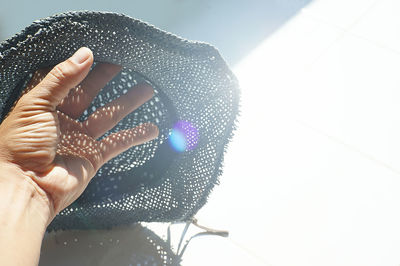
[184,136]
[177,140]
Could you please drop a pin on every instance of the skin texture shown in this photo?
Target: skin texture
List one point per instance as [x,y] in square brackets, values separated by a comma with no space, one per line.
[47,157]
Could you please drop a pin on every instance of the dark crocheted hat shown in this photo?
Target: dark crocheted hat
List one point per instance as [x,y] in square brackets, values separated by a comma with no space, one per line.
[195,107]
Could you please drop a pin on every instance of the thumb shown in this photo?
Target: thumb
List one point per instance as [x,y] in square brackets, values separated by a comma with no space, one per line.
[63,77]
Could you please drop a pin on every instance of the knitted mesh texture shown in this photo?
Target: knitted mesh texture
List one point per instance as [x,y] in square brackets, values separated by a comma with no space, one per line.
[151,182]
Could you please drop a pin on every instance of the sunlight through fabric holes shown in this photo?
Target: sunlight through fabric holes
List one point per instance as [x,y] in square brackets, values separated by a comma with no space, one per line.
[184,136]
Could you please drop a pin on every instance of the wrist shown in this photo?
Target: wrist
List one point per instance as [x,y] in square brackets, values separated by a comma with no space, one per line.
[24,216]
[23,203]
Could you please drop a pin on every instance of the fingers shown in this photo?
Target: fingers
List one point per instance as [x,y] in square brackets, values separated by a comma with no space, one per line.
[119,142]
[81,96]
[68,124]
[66,75]
[106,117]
[77,144]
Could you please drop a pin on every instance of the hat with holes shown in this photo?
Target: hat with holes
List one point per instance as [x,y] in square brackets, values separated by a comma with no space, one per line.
[195,106]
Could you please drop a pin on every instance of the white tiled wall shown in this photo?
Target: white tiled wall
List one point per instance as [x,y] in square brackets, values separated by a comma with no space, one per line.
[313,174]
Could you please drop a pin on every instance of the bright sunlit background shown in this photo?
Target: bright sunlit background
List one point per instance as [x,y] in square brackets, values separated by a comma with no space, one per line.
[312,176]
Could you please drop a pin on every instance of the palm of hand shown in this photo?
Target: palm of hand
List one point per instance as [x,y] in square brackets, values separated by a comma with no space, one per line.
[59,153]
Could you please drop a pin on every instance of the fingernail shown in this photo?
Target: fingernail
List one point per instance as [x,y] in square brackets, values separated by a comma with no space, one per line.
[81,55]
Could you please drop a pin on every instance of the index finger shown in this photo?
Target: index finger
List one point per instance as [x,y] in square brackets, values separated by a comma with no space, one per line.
[80,98]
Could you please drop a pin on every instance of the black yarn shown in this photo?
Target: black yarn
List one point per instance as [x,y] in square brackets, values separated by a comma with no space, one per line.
[151,182]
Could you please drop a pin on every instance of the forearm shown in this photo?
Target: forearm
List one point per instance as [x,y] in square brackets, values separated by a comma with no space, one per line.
[23,219]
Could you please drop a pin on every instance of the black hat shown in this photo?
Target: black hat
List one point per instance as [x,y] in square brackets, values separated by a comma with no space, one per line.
[195,107]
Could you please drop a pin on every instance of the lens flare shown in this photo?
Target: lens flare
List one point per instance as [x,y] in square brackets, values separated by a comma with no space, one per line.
[184,136]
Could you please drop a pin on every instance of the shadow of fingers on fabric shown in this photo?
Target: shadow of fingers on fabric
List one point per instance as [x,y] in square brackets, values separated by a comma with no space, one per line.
[80,139]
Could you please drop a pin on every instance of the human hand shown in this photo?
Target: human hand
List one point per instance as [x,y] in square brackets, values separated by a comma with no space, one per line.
[52,151]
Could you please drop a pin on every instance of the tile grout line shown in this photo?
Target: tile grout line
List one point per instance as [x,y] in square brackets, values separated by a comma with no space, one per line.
[249,252]
[352,148]
[343,33]
[376,43]
[343,30]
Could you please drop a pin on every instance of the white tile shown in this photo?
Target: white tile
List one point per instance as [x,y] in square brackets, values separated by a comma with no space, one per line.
[381,25]
[290,195]
[342,13]
[352,93]
[293,197]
